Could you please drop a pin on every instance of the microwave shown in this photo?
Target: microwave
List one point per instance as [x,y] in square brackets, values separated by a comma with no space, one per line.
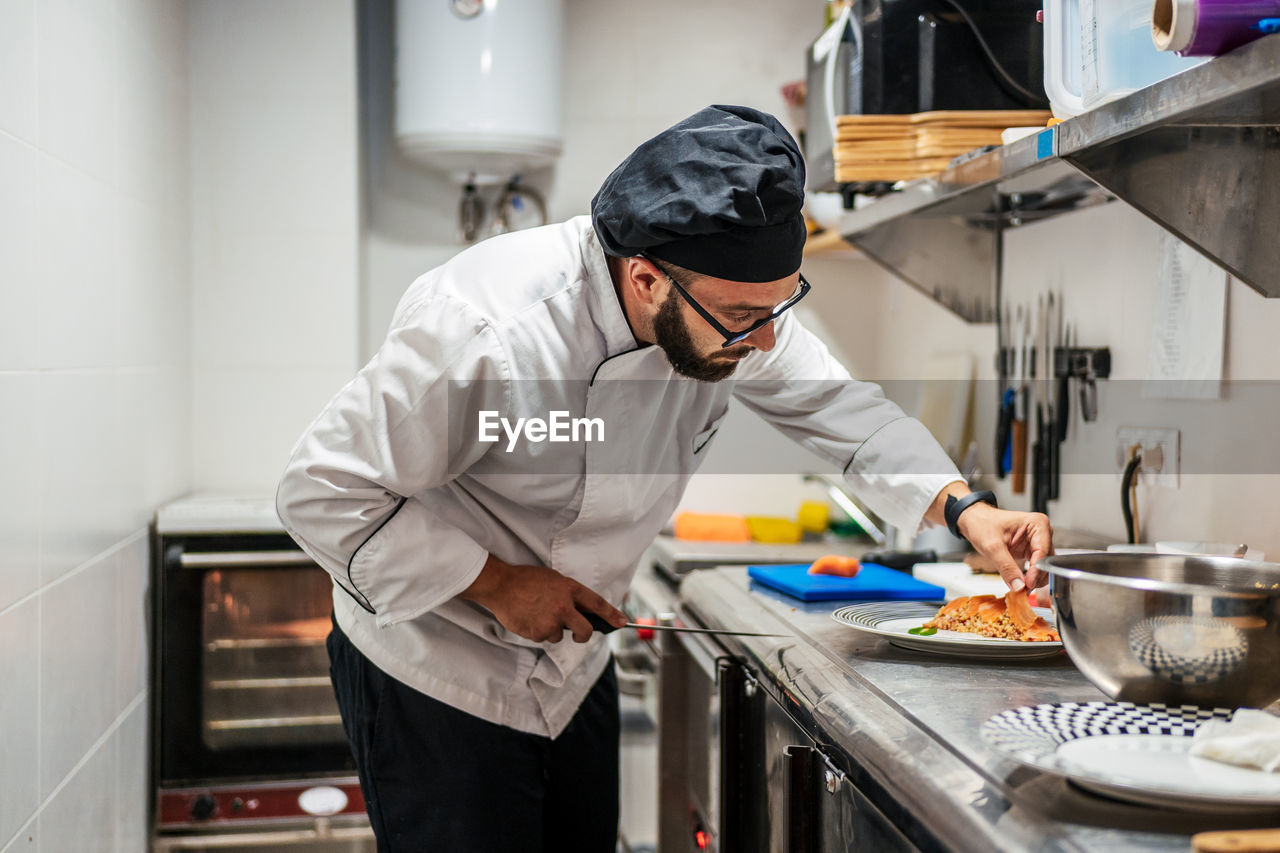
[888,57]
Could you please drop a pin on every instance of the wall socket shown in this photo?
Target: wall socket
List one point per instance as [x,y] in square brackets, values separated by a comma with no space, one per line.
[1161,453]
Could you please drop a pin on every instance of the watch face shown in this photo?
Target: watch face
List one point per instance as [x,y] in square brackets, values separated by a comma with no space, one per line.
[466,8]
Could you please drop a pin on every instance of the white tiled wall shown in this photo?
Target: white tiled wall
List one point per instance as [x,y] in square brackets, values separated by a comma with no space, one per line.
[275,218]
[94,400]
[633,69]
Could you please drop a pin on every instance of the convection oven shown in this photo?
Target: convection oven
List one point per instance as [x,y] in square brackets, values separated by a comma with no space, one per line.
[248,747]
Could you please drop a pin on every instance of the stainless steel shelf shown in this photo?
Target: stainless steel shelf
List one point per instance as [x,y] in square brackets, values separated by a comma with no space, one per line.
[1198,153]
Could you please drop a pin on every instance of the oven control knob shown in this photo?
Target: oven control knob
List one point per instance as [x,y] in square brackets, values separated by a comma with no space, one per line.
[203,807]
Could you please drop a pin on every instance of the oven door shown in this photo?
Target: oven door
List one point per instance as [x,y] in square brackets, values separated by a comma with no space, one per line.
[242,668]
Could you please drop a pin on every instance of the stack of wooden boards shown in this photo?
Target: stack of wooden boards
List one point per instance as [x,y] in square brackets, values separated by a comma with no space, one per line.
[902,147]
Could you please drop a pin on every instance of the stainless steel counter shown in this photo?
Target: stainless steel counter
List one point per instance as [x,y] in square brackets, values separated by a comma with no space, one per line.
[903,726]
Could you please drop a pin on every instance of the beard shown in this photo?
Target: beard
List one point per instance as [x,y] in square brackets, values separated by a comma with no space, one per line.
[672,334]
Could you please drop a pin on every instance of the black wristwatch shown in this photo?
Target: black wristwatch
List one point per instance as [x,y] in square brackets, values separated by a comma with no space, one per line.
[955,506]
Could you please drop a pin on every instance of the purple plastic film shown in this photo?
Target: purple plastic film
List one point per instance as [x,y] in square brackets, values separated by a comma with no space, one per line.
[1222,25]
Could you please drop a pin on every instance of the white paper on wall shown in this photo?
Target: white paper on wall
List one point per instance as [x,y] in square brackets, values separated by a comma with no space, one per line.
[1184,356]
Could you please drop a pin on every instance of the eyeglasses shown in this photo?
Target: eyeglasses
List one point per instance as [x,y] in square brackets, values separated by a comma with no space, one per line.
[731,338]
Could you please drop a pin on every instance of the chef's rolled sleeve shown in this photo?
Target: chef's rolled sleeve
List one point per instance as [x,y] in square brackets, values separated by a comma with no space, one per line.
[348,493]
[450,561]
[899,470]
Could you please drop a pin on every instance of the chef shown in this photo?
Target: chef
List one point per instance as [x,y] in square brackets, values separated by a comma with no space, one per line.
[529,424]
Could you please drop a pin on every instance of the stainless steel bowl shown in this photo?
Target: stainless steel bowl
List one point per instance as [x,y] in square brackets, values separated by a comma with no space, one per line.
[1171,628]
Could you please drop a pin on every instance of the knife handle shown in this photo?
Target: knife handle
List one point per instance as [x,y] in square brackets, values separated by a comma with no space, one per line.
[1019,436]
[1062,411]
[900,560]
[1004,424]
[597,621]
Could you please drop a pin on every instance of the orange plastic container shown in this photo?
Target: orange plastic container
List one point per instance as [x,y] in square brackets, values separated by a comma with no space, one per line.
[711,527]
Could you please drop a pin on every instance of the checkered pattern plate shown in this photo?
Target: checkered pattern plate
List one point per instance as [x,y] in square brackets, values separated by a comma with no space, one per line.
[1137,753]
[892,620]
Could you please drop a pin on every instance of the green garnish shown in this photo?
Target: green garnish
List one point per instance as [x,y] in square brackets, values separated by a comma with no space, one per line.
[923,631]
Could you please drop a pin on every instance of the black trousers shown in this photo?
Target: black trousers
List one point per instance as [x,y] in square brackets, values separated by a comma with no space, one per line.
[438,779]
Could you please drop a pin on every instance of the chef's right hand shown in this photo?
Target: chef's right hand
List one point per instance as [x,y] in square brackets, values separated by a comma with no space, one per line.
[537,602]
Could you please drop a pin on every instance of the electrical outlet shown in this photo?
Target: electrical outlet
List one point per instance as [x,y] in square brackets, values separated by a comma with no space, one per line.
[1161,453]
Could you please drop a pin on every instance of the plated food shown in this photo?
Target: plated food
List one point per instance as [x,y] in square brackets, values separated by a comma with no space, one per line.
[1009,617]
[903,624]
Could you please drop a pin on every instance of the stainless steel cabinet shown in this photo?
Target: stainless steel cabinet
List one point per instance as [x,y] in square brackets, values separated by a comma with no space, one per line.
[689,738]
[813,806]
[738,774]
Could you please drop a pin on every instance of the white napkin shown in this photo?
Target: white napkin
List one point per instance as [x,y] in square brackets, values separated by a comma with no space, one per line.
[1250,739]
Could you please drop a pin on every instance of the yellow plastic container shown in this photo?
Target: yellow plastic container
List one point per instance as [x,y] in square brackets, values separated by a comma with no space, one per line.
[814,516]
[772,530]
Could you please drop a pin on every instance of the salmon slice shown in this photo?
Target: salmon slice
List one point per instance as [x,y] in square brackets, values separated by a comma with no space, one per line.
[991,611]
[1040,630]
[953,607]
[975,603]
[834,564]
[1020,612]
[1009,617]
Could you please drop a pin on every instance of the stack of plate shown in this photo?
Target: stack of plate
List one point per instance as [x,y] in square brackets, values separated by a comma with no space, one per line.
[1137,753]
[901,147]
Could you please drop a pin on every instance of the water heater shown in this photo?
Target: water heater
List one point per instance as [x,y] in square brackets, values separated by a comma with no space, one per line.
[478,85]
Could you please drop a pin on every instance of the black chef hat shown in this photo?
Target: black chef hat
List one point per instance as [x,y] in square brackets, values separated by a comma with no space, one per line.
[719,193]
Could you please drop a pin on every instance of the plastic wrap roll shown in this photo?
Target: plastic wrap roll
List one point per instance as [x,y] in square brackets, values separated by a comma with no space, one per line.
[1208,27]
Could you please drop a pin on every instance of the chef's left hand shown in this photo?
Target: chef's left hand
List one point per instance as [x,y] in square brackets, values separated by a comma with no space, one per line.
[1009,539]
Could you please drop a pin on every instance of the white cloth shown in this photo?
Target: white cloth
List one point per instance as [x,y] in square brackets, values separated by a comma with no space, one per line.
[389,490]
[1251,738]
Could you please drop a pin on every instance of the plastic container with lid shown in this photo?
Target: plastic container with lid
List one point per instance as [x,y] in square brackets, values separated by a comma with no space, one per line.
[1062,57]
[1117,53]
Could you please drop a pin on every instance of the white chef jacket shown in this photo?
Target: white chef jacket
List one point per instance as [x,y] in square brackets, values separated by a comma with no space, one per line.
[391,492]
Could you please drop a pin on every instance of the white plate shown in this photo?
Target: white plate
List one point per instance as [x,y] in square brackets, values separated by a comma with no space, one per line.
[892,620]
[1137,753]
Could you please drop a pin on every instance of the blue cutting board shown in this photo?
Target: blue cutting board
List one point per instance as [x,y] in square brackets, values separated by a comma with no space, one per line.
[873,583]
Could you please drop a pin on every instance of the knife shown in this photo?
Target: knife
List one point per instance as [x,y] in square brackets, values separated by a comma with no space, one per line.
[598,623]
[1004,434]
[1004,418]
[902,561]
[1022,404]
